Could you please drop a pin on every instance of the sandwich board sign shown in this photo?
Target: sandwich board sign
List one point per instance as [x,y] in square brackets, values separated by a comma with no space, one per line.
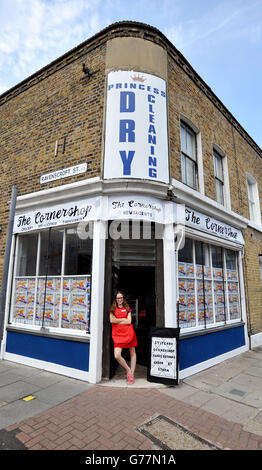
[163,355]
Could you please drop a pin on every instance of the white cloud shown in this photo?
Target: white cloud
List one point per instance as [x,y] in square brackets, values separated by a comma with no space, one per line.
[224,22]
[35,32]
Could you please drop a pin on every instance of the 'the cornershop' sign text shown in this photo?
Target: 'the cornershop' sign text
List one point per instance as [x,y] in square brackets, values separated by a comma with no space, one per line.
[136,144]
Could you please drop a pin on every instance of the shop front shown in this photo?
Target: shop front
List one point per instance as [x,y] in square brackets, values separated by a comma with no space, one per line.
[59,291]
[69,260]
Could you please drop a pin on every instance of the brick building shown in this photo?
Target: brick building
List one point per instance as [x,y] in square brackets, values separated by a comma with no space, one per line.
[111,146]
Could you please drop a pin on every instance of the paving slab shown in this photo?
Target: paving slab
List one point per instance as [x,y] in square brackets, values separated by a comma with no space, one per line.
[16,390]
[7,378]
[254,354]
[179,392]
[19,410]
[256,371]
[258,417]
[229,369]
[207,377]
[253,426]
[62,391]
[21,370]
[218,405]
[249,381]
[253,399]
[230,410]
[232,390]
[44,379]
[199,398]
[198,384]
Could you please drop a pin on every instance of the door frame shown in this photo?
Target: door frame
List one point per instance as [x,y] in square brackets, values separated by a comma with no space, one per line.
[107,356]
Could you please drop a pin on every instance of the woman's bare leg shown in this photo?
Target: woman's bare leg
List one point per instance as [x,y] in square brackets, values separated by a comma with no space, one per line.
[132,360]
[121,360]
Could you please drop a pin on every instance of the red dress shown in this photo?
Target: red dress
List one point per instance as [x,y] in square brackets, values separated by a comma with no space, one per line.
[124,336]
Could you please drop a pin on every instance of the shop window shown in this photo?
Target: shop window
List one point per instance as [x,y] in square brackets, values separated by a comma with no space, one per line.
[208,285]
[232,284]
[204,284]
[219,286]
[52,285]
[26,264]
[51,245]
[189,156]
[187,285]
[78,257]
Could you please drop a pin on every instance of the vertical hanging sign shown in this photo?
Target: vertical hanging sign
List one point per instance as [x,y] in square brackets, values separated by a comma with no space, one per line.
[136,143]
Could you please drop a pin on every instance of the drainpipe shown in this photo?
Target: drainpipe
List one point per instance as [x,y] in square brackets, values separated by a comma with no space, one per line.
[7,259]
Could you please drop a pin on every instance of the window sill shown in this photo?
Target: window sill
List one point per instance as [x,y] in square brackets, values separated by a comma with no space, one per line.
[82,336]
[255,226]
[215,329]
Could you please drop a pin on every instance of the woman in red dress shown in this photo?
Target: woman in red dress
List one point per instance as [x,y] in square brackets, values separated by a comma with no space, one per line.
[123,335]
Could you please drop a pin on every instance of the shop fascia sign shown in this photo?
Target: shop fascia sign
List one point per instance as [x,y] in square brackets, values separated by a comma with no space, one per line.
[213,226]
[61,214]
[119,207]
[123,207]
[136,141]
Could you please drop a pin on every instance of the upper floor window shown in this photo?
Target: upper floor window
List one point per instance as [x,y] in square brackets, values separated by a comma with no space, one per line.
[189,157]
[253,200]
[260,266]
[219,177]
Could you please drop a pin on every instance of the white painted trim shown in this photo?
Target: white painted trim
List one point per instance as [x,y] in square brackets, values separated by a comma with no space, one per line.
[169,260]
[49,366]
[8,297]
[210,238]
[62,193]
[226,184]
[211,362]
[242,295]
[89,188]
[252,182]
[201,184]
[58,189]
[97,302]
[256,340]
[227,198]
[255,226]
[199,155]
[198,201]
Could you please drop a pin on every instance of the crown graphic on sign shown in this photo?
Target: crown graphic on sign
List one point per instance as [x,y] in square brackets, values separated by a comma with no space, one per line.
[138,78]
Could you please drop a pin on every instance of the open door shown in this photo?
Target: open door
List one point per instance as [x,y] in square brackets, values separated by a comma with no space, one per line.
[136,268]
[138,285]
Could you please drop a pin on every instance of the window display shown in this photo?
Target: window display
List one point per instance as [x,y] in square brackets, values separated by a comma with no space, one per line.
[208,285]
[52,286]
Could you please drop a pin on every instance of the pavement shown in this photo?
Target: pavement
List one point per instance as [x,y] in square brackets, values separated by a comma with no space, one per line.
[219,408]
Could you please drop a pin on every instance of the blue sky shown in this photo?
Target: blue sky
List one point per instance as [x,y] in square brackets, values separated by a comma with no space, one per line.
[222,40]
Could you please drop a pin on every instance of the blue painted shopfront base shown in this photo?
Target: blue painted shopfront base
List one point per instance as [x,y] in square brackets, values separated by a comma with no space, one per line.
[68,353]
[197,349]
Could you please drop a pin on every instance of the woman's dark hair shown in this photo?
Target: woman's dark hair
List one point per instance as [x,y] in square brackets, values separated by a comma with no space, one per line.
[114,304]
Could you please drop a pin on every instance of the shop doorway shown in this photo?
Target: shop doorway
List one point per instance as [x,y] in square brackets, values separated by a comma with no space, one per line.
[138,285]
[134,266]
